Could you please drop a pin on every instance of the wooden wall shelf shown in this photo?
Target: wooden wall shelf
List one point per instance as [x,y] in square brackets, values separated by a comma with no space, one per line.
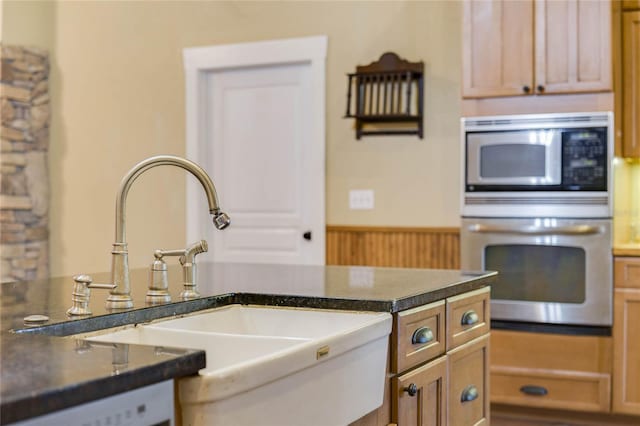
[388,97]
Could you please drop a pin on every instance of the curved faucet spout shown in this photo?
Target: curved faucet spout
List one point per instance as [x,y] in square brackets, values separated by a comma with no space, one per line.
[120,297]
[161,160]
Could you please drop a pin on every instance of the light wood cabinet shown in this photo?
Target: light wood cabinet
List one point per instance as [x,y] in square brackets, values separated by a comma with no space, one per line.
[438,369]
[469,384]
[630,84]
[497,48]
[536,47]
[425,323]
[626,332]
[467,317]
[631,4]
[428,389]
[551,370]
[421,395]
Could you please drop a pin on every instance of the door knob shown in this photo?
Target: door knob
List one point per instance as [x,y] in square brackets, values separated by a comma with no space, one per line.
[307,235]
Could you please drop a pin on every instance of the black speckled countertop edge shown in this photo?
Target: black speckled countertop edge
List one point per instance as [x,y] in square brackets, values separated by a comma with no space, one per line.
[134,316]
[15,410]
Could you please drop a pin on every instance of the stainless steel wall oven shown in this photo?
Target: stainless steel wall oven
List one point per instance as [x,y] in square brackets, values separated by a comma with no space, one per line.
[537,208]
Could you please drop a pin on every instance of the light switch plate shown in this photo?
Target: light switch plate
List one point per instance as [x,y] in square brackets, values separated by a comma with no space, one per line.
[361,199]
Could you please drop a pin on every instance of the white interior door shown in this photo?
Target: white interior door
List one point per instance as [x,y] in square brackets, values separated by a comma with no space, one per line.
[255,122]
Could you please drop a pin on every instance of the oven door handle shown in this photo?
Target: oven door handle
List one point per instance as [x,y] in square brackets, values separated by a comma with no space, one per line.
[535,230]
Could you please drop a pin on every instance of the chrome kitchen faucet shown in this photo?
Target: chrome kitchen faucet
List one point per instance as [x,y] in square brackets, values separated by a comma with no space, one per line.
[120,296]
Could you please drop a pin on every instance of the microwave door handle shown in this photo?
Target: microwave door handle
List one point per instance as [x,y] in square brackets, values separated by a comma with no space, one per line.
[535,230]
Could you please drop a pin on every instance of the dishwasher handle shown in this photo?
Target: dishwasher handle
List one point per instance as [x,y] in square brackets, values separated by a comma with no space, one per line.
[535,230]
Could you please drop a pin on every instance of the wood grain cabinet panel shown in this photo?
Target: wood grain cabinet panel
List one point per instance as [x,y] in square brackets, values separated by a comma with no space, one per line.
[425,323]
[536,47]
[419,396]
[467,317]
[631,4]
[567,390]
[497,47]
[573,46]
[432,383]
[626,272]
[551,370]
[468,384]
[626,336]
[626,352]
[630,84]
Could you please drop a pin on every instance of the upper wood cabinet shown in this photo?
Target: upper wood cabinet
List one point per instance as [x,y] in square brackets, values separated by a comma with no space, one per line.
[536,47]
[630,84]
[497,48]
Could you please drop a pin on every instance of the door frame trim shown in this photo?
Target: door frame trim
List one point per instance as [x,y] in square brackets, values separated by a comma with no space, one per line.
[198,61]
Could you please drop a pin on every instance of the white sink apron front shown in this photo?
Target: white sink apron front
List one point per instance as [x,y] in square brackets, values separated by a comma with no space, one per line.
[276,366]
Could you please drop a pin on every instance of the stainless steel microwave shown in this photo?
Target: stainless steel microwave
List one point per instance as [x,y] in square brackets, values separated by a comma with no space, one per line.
[537,152]
[537,159]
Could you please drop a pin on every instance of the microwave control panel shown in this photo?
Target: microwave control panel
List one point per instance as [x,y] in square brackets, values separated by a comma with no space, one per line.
[584,159]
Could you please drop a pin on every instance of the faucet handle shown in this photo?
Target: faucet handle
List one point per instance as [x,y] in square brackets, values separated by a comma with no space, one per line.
[188,262]
[81,292]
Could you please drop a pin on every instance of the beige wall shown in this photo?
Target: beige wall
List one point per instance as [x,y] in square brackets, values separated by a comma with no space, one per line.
[27,23]
[118,96]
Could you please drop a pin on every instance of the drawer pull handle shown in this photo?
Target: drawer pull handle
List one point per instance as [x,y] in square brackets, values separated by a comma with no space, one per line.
[469,318]
[412,389]
[421,336]
[534,390]
[469,393]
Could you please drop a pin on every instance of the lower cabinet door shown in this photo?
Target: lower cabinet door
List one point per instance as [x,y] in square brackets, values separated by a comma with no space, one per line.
[626,352]
[468,383]
[419,396]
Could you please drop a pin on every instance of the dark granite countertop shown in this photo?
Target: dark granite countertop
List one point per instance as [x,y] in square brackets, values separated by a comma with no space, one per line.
[41,373]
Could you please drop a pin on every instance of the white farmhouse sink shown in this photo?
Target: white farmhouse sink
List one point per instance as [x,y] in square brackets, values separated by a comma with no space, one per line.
[275,366]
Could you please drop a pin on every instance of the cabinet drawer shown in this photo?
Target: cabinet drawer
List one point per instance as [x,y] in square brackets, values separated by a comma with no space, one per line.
[467,317]
[419,396]
[551,352]
[468,389]
[419,335]
[567,390]
[626,272]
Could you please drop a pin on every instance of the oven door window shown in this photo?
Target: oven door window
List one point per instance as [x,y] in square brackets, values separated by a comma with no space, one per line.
[537,273]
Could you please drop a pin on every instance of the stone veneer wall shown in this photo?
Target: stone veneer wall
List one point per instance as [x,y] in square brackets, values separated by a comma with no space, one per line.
[24,177]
